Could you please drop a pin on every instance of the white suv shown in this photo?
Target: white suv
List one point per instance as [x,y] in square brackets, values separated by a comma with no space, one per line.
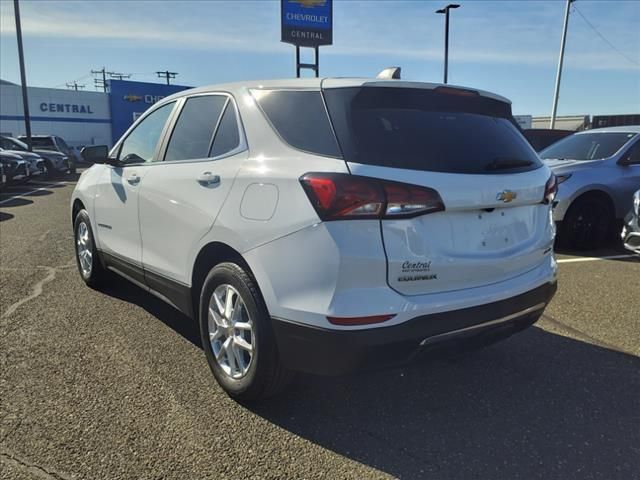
[324,225]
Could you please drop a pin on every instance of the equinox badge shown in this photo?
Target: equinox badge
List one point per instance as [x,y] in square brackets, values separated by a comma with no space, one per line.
[506,196]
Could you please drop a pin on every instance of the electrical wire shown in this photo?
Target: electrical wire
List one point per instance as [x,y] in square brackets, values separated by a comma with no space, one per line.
[604,39]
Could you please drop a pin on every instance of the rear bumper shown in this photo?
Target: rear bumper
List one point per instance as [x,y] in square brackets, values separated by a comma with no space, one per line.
[334,352]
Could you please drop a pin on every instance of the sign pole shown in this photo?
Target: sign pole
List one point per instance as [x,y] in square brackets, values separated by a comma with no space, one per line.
[297,61]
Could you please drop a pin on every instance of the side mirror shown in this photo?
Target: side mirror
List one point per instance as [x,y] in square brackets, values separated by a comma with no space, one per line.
[95,154]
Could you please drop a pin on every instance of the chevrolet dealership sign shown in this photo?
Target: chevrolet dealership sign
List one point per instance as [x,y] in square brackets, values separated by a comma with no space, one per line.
[307,23]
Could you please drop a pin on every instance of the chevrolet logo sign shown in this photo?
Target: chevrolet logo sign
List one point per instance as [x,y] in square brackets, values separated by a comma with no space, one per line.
[310,3]
[132,98]
[506,196]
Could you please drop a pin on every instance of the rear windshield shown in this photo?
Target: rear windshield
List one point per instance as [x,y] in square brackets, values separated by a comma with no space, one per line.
[423,129]
[45,143]
[587,146]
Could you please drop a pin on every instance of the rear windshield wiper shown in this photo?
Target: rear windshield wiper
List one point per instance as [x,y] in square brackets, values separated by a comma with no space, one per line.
[506,163]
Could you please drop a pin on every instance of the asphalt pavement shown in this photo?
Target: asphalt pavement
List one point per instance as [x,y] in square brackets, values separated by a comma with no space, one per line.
[113,384]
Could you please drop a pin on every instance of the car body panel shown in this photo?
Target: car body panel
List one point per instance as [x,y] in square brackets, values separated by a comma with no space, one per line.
[605,175]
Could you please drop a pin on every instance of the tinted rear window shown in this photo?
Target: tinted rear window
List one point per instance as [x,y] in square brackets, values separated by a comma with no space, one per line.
[422,129]
[300,118]
[45,143]
[588,146]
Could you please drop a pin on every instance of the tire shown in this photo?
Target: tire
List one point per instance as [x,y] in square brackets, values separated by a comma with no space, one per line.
[89,265]
[587,224]
[246,375]
[50,171]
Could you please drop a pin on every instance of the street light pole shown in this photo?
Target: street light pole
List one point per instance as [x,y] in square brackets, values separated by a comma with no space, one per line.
[23,75]
[445,10]
[560,60]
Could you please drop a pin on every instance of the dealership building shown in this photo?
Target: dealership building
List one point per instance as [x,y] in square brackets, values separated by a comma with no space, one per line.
[79,117]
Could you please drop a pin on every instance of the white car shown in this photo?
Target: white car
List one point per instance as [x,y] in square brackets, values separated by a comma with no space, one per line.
[324,225]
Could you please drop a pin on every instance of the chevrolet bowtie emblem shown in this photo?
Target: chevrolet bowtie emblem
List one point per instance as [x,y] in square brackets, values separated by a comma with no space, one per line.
[506,196]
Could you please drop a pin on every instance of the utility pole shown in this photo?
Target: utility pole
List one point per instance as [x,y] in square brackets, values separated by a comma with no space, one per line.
[74,85]
[119,76]
[556,94]
[167,75]
[23,75]
[445,10]
[100,82]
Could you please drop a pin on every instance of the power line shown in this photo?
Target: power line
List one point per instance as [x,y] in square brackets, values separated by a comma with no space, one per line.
[604,39]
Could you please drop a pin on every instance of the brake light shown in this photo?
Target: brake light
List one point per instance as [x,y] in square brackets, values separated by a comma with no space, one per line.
[550,189]
[463,92]
[341,196]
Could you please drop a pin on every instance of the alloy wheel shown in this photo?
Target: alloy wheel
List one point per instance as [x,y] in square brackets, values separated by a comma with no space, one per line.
[84,249]
[230,331]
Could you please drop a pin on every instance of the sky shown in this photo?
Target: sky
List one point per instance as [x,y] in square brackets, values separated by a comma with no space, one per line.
[507,47]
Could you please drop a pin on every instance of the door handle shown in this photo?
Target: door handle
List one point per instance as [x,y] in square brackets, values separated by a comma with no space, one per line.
[133,179]
[208,178]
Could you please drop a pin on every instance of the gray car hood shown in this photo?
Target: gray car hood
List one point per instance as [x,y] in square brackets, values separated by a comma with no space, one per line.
[49,153]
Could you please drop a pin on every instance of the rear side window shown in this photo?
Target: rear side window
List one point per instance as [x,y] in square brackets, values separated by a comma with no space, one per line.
[300,118]
[423,129]
[587,146]
[193,133]
[227,136]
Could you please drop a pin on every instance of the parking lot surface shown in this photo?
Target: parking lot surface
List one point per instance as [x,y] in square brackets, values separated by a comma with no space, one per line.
[113,384]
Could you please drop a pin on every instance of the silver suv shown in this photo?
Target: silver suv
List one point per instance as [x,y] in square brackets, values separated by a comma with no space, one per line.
[324,225]
[598,171]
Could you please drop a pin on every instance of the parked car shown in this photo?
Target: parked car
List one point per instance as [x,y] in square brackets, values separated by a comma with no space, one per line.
[631,230]
[541,138]
[55,162]
[35,164]
[15,169]
[401,217]
[4,179]
[53,143]
[598,171]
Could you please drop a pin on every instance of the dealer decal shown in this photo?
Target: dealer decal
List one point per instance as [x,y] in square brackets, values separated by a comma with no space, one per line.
[417,271]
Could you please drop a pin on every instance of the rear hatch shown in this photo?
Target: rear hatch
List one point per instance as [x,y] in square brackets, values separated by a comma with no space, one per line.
[466,147]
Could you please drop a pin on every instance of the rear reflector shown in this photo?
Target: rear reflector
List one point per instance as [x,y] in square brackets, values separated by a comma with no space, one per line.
[360,320]
[341,196]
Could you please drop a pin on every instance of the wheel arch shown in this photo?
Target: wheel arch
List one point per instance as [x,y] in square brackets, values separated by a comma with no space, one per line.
[595,193]
[208,257]
[75,209]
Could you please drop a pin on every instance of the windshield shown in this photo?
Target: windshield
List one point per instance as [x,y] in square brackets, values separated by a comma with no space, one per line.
[43,143]
[587,146]
[423,129]
[12,144]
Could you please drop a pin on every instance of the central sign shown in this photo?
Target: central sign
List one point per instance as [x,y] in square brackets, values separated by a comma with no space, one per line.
[307,23]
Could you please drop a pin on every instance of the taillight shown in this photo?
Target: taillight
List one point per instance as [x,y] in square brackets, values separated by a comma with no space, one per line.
[550,189]
[341,196]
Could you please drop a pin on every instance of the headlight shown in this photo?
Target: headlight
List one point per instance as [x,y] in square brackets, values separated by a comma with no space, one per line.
[636,203]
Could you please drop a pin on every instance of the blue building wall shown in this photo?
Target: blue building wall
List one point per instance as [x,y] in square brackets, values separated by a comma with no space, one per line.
[128,100]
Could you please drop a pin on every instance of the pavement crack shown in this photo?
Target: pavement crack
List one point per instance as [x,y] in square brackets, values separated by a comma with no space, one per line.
[36,470]
[36,291]
[42,237]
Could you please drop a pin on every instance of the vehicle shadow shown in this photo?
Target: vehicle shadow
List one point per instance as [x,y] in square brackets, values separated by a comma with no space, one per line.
[537,405]
[168,315]
[5,216]
[14,202]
